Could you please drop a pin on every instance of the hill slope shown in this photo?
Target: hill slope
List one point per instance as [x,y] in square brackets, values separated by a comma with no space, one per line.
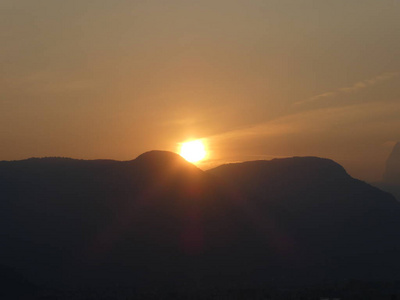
[391,177]
[325,221]
[158,221]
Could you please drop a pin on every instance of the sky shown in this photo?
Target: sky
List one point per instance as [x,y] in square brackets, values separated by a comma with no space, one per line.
[255,79]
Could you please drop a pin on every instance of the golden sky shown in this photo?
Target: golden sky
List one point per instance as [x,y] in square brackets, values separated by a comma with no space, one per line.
[256,79]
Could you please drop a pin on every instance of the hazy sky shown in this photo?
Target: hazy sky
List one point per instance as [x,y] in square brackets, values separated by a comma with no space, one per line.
[256,79]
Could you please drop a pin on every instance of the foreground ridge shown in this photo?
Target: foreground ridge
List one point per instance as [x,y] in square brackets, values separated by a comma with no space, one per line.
[160,222]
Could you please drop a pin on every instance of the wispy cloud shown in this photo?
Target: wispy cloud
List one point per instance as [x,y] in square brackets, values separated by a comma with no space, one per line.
[369,82]
[300,121]
[350,135]
[359,116]
[351,89]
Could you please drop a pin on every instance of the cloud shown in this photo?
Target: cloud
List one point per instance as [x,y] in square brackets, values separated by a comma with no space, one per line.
[369,82]
[351,89]
[369,120]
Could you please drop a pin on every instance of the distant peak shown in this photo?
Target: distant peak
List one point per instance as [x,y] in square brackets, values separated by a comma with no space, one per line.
[159,155]
[395,155]
[161,158]
[164,161]
[392,172]
[396,147]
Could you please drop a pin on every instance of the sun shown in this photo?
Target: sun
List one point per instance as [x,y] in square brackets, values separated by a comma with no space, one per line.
[193,151]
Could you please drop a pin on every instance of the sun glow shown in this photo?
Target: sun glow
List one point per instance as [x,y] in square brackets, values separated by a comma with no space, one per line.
[193,151]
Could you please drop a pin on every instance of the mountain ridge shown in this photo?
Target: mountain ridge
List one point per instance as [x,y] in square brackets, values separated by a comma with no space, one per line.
[158,220]
[391,176]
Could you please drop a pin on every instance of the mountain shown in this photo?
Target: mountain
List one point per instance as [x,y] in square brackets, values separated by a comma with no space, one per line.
[392,172]
[326,223]
[391,177]
[66,222]
[158,222]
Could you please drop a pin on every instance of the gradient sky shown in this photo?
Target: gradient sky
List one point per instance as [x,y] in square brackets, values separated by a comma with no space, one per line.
[255,79]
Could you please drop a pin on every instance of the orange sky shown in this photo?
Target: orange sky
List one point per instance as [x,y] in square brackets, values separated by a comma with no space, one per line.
[256,79]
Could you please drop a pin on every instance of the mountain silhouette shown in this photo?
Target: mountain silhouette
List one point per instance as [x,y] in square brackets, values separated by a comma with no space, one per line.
[391,177]
[392,172]
[326,221]
[160,222]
